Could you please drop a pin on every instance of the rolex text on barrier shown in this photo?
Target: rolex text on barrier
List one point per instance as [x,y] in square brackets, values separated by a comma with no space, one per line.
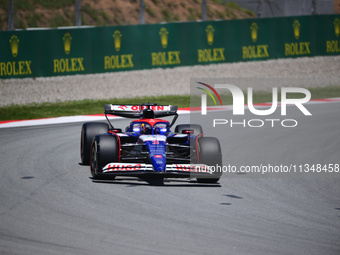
[69,51]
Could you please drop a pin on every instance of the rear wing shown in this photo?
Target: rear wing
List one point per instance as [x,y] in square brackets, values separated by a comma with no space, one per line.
[140,111]
[136,111]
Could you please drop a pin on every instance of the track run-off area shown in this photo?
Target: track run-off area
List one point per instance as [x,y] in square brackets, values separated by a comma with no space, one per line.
[50,204]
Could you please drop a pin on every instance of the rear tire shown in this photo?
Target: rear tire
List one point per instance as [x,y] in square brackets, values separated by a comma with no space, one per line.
[210,154]
[195,127]
[88,131]
[104,150]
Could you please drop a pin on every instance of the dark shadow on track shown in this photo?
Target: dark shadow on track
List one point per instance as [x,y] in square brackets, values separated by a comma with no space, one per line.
[233,196]
[27,177]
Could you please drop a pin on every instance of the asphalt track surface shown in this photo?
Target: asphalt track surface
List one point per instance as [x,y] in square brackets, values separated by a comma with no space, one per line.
[50,205]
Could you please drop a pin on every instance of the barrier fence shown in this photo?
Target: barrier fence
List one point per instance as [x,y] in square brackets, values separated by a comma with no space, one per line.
[53,52]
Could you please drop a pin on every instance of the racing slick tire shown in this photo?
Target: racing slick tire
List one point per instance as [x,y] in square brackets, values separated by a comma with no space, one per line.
[210,154]
[104,150]
[88,131]
[195,127]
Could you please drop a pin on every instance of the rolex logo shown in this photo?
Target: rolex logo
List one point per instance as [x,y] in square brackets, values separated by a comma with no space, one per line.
[337,27]
[117,37]
[253,29]
[14,43]
[67,43]
[164,37]
[296,26]
[210,34]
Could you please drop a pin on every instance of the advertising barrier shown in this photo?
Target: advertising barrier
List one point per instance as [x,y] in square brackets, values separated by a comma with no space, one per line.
[67,51]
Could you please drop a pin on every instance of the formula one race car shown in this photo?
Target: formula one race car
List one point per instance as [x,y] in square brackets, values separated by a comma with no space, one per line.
[148,148]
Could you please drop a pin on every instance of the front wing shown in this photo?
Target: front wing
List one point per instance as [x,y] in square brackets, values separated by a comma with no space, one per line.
[172,170]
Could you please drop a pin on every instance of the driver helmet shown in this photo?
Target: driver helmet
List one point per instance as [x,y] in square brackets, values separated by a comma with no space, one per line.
[144,128]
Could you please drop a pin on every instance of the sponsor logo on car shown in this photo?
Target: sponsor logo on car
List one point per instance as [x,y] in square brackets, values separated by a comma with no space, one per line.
[139,108]
[122,167]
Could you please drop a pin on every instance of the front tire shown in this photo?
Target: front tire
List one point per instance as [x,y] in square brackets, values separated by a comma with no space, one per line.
[88,131]
[210,154]
[104,150]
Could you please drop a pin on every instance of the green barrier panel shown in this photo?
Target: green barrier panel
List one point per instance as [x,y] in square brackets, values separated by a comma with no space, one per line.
[53,52]
[68,52]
